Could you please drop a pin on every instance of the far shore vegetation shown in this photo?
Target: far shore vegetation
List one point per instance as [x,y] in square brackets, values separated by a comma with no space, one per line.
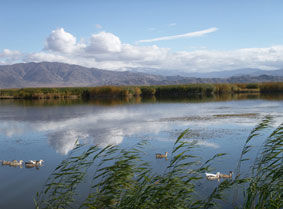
[121,92]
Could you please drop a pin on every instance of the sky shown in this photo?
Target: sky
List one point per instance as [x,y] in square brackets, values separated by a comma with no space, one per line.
[179,35]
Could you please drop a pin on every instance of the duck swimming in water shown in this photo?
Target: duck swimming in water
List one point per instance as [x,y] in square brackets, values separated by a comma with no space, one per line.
[159,155]
[12,163]
[31,162]
[211,175]
[34,163]
[39,162]
[4,162]
[16,163]
[226,176]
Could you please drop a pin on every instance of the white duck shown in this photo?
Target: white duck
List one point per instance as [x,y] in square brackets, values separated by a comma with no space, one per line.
[212,175]
[31,162]
[34,163]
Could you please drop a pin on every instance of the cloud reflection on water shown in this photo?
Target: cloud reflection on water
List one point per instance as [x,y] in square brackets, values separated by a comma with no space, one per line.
[65,141]
[99,129]
[103,126]
[11,129]
[206,144]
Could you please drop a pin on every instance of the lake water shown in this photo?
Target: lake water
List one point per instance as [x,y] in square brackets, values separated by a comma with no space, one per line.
[33,130]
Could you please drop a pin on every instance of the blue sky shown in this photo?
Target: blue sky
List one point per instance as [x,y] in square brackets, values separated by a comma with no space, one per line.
[26,25]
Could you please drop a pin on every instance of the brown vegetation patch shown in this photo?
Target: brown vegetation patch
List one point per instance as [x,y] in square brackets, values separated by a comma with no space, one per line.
[236,115]
[187,118]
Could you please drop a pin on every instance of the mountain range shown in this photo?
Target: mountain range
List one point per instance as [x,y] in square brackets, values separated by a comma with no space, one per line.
[213,74]
[54,74]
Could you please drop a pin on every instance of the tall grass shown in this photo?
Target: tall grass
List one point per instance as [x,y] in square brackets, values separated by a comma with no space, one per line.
[189,90]
[120,178]
[265,187]
[271,87]
[123,180]
[166,91]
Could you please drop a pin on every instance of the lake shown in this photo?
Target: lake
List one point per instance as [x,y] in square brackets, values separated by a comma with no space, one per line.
[48,130]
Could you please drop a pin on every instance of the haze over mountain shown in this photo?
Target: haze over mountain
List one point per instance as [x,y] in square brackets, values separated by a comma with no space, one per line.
[54,74]
[213,74]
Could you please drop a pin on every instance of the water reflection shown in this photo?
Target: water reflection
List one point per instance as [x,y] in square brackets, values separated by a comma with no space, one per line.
[11,129]
[207,144]
[100,127]
[64,124]
[65,141]
[45,129]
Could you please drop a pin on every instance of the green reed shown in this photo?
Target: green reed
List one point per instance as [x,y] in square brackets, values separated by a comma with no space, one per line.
[265,187]
[120,178]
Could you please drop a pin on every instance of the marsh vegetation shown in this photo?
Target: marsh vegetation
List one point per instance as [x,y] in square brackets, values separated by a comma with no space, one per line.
[122,92]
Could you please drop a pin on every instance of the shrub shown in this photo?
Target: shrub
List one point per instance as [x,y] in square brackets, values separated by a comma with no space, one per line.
[271,87]
[148,91]
[252,86]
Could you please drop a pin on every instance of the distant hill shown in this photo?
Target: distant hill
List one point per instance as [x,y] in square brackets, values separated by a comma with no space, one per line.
[214,74]
[239,72]
[54,74]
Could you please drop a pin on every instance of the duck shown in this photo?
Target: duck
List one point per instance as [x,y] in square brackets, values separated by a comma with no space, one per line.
[34,163]
[226,176]
[16,163]
[12,163]
[4,162]
[30,165]
[212,175]
[31,162]
[39,162]
[213,178]
[159,155]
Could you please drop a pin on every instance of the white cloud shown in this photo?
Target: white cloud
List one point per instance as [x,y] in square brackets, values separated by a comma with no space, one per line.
[104,43]
[186,35]
[61,41]
[8,52]
[106,51]
[47,56]
[143,53]
[10,56]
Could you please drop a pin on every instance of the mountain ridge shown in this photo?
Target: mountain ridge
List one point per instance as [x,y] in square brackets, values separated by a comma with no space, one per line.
[213,74]
[55,74]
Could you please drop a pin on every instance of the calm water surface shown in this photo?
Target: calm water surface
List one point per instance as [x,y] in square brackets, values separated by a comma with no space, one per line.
[31,130]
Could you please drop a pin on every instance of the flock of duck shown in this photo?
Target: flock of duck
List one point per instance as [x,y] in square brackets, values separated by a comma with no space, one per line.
[209,176]
[38,163]
[28,164]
